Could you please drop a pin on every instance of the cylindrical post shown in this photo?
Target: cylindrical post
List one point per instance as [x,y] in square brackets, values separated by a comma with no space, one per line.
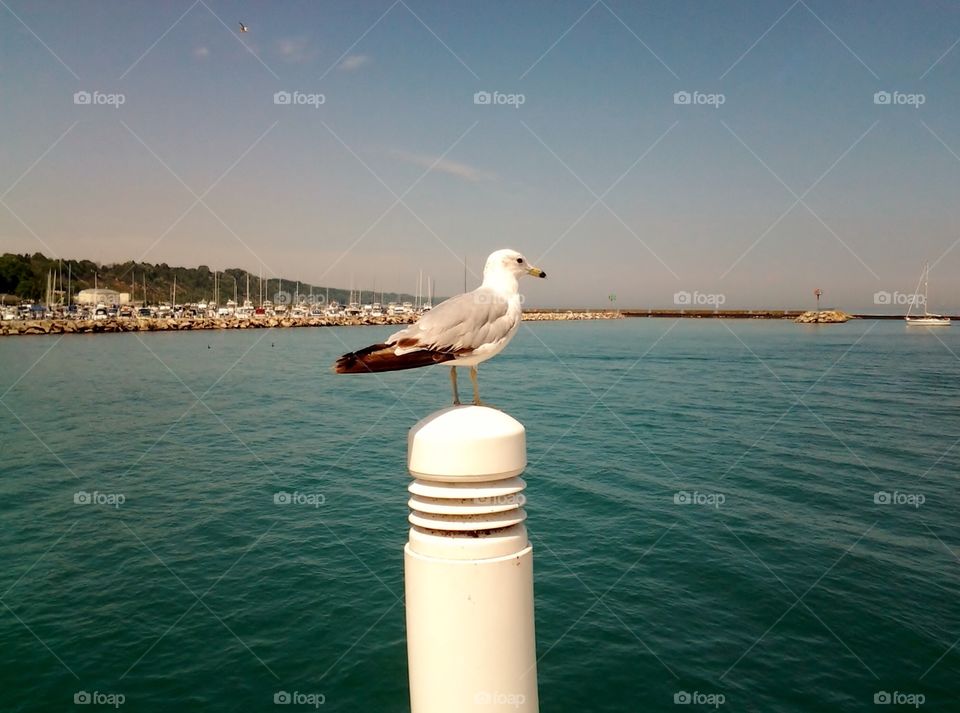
[468,566]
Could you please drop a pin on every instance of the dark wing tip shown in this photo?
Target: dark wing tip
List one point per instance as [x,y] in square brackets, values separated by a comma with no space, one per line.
[347,364]
[354,362]
[340,365]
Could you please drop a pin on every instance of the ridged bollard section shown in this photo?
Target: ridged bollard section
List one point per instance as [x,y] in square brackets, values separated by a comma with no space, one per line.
[468,565]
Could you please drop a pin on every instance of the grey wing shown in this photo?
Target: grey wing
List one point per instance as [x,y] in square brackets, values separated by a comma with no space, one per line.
[461,323]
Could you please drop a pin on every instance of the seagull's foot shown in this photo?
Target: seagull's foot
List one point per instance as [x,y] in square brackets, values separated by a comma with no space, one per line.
[456,402]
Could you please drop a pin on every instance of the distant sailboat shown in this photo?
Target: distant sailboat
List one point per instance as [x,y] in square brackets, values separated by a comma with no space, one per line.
[928,319]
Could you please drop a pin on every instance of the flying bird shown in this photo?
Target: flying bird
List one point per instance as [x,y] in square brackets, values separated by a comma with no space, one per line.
[461,331]
[244,28]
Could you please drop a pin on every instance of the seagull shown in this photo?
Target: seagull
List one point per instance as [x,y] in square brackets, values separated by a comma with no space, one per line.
[244,28]
[461,331]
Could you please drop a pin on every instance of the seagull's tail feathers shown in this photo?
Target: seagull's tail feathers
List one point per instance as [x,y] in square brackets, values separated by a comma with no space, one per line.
[382,357]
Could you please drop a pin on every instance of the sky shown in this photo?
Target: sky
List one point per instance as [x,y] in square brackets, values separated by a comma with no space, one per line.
[734,154]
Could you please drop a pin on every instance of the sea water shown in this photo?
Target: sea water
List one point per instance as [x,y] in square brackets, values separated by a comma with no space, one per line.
[732,515]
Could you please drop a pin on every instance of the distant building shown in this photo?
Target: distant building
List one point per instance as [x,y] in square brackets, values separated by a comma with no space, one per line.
[96,296]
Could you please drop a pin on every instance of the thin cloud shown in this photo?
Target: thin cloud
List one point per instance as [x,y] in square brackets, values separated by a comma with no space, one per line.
[295,50]
[201,53]
[445,165]
[355,62]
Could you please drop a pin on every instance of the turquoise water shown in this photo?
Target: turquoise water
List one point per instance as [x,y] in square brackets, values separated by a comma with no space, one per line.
[198,592]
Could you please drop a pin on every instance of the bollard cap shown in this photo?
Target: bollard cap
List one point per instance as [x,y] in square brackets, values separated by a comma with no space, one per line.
[467,444]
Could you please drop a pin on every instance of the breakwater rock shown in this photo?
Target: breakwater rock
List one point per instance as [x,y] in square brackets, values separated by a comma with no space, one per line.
[683,313]
[569,315]
[172,324]
[827,316]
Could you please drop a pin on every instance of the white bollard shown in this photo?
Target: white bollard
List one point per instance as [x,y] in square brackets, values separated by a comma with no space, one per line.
[468,566]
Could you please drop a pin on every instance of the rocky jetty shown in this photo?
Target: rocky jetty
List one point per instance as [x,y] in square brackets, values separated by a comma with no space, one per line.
[683,313]
[569,315]
[113,326]
[827,316]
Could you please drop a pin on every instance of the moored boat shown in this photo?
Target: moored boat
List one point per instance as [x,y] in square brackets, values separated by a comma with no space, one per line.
[928,319]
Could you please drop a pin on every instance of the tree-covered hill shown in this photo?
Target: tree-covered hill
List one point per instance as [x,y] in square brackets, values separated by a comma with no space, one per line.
[25,277]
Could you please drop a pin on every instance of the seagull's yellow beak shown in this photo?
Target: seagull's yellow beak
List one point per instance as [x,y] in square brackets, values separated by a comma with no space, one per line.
[536,271]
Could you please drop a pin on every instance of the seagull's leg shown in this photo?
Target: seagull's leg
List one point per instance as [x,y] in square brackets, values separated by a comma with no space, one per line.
[476,386]
[453,383]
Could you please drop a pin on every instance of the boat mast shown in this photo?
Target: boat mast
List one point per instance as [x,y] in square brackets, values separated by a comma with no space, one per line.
[916,293]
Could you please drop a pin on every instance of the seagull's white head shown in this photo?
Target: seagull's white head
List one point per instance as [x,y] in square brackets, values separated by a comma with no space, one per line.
[508,262]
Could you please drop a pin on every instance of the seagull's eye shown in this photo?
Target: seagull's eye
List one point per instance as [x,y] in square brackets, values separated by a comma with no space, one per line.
[520,260]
